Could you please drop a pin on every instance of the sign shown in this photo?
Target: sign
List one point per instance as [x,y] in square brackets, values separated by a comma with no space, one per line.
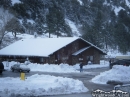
[80,59]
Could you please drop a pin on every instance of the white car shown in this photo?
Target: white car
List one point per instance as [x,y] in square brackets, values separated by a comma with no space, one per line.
[20,68]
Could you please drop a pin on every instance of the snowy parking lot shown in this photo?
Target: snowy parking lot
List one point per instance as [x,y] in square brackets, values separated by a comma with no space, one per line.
[53,85]
[43,84]
[37,85]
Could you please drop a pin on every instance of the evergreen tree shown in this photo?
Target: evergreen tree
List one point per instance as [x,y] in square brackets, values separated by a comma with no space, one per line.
[5,3]
[55,20]
[20,10]
[96,18]
[122,29]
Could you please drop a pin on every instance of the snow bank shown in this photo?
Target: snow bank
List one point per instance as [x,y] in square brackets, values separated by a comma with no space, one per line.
[37,85]
[117,73]
[102,64]
[62,68]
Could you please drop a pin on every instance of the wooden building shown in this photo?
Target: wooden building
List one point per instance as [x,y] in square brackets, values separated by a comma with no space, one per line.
[69,50]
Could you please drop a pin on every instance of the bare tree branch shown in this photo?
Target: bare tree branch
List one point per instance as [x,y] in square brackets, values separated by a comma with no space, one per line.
[5,16]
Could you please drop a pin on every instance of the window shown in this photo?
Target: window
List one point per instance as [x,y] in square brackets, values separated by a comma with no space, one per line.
[90,58]
[41,60]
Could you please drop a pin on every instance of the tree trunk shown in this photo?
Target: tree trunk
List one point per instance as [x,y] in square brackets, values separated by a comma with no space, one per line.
[1,41]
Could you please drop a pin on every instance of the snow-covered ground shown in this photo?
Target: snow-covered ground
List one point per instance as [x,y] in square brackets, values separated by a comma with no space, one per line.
[90,66]
[37,85]
[62,68]
[41,84]
[117,73]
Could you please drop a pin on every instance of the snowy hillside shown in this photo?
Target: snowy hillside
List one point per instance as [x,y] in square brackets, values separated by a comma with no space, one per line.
[105,23]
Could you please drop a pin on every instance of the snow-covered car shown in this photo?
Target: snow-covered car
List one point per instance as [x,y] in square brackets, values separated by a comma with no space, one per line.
[124,62]
[20,68]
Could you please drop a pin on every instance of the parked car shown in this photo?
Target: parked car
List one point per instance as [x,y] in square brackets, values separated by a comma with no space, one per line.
[1,67]
[20,68]
[125,62]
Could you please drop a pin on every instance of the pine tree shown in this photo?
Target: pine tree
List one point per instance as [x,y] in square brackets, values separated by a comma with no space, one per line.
[5,3]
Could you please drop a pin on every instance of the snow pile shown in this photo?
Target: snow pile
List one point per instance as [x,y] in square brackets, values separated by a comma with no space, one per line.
[62,68]
[7,65]
[117,73]
[95,66]
[101,65]
[37,85]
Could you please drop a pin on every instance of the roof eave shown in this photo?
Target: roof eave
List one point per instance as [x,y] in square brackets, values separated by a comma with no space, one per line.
[23,55]
[63,47]
[94,46]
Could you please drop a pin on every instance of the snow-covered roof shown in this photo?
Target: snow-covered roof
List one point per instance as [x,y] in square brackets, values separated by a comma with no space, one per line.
[94,46]
[81,50]
[40,46]
[37,47]
[123,57]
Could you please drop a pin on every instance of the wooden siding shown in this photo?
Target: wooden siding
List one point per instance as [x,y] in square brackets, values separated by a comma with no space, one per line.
[97,56]
[64,55]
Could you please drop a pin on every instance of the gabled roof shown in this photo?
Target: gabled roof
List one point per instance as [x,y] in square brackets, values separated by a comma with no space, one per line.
[36,47]
[40,47]
[94,46]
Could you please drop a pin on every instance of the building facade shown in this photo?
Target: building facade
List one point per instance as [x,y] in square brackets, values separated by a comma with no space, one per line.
[74,52]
